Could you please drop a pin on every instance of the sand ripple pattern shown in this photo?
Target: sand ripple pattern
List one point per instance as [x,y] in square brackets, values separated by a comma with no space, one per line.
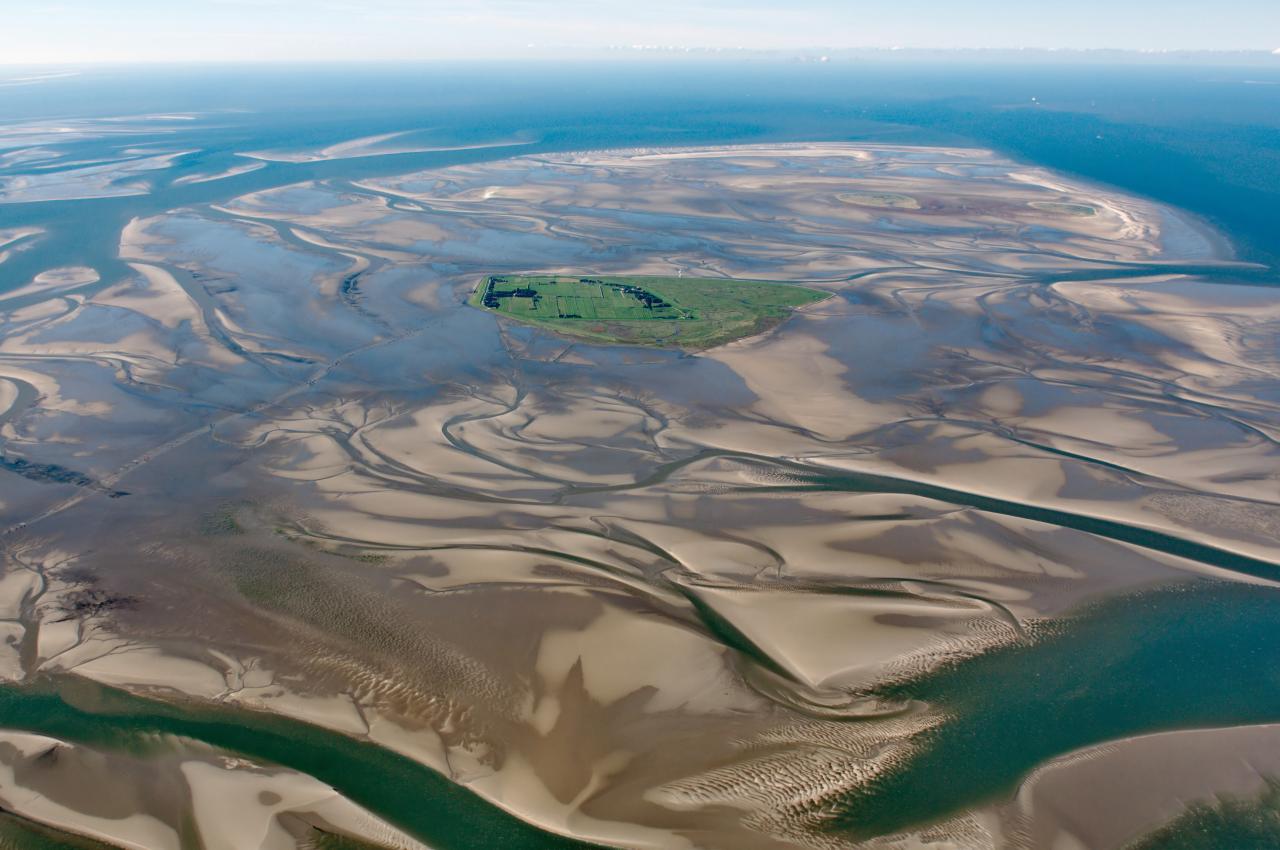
[545,567]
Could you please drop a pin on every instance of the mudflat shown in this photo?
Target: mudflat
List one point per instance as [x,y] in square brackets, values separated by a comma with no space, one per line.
[890,418]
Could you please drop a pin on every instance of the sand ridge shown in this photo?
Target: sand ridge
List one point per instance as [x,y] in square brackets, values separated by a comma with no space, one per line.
[545,567]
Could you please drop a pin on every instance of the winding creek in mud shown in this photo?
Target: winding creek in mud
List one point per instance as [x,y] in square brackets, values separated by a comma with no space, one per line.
[285,518]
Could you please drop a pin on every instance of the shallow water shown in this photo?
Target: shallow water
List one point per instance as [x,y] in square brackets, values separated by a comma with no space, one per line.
[1144,663]
[407,794]
[1169,133]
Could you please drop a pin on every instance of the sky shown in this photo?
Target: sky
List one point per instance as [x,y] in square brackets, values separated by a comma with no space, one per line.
[90,31]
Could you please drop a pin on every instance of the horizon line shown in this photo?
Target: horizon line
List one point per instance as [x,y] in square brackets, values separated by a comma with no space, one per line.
[821,52]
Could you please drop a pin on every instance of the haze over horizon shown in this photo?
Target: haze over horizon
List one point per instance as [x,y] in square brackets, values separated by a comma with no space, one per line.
[81,31]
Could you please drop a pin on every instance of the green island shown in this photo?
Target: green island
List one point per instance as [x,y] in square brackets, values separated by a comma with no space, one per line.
[693,313]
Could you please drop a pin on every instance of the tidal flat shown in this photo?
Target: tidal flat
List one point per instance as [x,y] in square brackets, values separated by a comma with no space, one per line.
[819,587]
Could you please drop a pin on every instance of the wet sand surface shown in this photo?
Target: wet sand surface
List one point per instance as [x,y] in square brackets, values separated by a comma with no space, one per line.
[177,795]
[639,597]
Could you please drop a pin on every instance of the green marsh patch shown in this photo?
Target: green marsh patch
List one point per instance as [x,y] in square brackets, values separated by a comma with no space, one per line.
[1077,210]
[880,200]
[680,311]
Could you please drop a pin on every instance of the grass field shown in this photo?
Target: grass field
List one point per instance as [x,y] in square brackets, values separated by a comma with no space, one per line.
[686,312]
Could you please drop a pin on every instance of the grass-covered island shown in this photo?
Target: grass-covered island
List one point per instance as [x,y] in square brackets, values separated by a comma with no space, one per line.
[682,311]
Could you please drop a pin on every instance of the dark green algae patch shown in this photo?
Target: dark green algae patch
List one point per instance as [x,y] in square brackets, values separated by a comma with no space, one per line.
[412,796]
[1194,655]
[1231,823]
[19,834]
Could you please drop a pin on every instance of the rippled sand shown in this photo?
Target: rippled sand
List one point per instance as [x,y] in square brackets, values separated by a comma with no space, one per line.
[636,596]
[177,794]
